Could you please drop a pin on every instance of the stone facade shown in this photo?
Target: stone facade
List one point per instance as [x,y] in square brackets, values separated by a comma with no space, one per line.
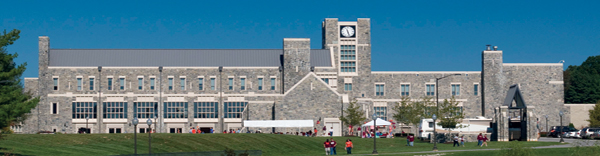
[299,91]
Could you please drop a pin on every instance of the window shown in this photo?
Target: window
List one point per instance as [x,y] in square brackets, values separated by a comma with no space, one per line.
[206,109]
[140,83]
[200,83]
[430,89]
[114,110]
[170,83]
[91,83]
[272,83]
[109,83]
[122,83]
[114,130]
[430,124]
[348,86]
[348,67]
[455,89]
[381,112]
[212,83]
[243,83]
[152,83]
[326,80]
[176,109]
[457,111]
[234,109]
[348,58]
[81,110]
[476,89]
[79,83]
[54,108]
[405,89]
[260,83]
[230,83]
[182,83]
[145,109]
[55,83]
[379,89]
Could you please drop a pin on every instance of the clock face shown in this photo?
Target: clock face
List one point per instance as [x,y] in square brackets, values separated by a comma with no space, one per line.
[347,31]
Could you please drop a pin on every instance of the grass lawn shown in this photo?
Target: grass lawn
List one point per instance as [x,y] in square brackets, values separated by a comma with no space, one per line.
[270,144]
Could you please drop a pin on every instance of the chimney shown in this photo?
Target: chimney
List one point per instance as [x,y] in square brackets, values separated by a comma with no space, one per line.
[488,47]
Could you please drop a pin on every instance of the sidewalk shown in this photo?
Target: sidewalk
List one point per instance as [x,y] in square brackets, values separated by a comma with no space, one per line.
[568,143]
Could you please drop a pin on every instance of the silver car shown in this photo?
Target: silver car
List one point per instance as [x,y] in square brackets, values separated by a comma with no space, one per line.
[574,134]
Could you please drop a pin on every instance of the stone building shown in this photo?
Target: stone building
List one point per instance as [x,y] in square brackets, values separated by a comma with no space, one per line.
[182,88]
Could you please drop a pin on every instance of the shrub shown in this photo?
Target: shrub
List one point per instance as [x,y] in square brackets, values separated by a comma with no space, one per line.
[514,149]
[7,130]
[228,152]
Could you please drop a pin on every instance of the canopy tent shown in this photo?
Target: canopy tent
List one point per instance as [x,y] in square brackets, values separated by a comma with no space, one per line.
[278,123]
[380,122]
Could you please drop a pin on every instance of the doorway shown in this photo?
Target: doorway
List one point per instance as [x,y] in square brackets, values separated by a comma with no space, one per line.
[114,130]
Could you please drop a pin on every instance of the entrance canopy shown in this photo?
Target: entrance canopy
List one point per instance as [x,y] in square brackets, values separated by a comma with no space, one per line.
[278,123]
[380,122]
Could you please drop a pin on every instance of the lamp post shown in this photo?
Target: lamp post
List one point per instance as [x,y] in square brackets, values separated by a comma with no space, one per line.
[374,133]
[149,122]
[561,127]
[434,134]
[87,130]
[547,130]
[135,122]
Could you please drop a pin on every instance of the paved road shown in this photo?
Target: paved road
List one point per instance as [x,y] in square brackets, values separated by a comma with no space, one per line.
[568,143]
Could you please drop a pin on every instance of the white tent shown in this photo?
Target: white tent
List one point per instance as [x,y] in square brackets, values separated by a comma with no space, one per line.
[278,123]
[380,122]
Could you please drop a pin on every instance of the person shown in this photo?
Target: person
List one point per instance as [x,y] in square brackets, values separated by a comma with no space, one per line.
[411,139]
[455,140]
[359,131]
[316,132]
[193,130]
[332,145]
[238,131]
[331,132]
[462,140]
[324,130]
[408,140]
[364,134]
[479,138]
[484,139]
[349,146]
[350,130]
[326,144]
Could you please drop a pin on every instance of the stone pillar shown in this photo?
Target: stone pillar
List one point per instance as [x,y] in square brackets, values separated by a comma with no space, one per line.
[296,61]
[44,80]
[493,88]
[363,47]
[503,133]
[532,129]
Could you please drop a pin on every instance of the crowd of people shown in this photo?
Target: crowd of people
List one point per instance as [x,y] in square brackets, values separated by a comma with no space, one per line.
[330,146]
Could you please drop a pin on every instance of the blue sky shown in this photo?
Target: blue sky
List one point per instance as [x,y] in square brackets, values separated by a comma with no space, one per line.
[406,35]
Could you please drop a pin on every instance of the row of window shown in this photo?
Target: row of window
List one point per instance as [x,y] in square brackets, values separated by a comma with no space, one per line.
[348,58]
[430,89]
[381,112]
[118,110]
[182,83]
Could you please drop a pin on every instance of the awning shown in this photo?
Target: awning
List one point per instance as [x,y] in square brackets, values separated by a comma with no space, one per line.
[380,122]
[278,123]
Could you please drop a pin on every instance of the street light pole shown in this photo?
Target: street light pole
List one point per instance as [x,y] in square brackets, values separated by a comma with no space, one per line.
[374,133]
[561,127]
[87,130]
[135,122]
[149,122]
[434,134]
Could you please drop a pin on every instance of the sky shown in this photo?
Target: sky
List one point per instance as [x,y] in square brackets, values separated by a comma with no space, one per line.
[405,35]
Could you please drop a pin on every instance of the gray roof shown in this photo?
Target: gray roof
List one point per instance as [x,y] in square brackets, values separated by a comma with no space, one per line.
[178,57]
[514,94]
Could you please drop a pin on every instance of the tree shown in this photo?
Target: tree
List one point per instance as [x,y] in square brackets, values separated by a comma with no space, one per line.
[409,112]
[354,116]
[595,116]
[582,83]
[450,115]
[14,103]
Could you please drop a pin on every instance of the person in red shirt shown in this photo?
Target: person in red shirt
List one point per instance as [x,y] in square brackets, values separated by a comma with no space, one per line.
[327,145]
[315,132]
[332,145]
[193,130]
[479,140]
[359,131]
[484,139]
[411,139]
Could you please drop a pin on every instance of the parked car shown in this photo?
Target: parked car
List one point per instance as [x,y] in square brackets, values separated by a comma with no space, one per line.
[575,134]
[595,134]
[586,132]
[558,129]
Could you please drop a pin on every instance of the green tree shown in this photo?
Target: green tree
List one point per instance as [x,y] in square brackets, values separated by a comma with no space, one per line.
[582,83]
[14,103]
[595,116]
[408,111]
[450,115]
[354,115]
